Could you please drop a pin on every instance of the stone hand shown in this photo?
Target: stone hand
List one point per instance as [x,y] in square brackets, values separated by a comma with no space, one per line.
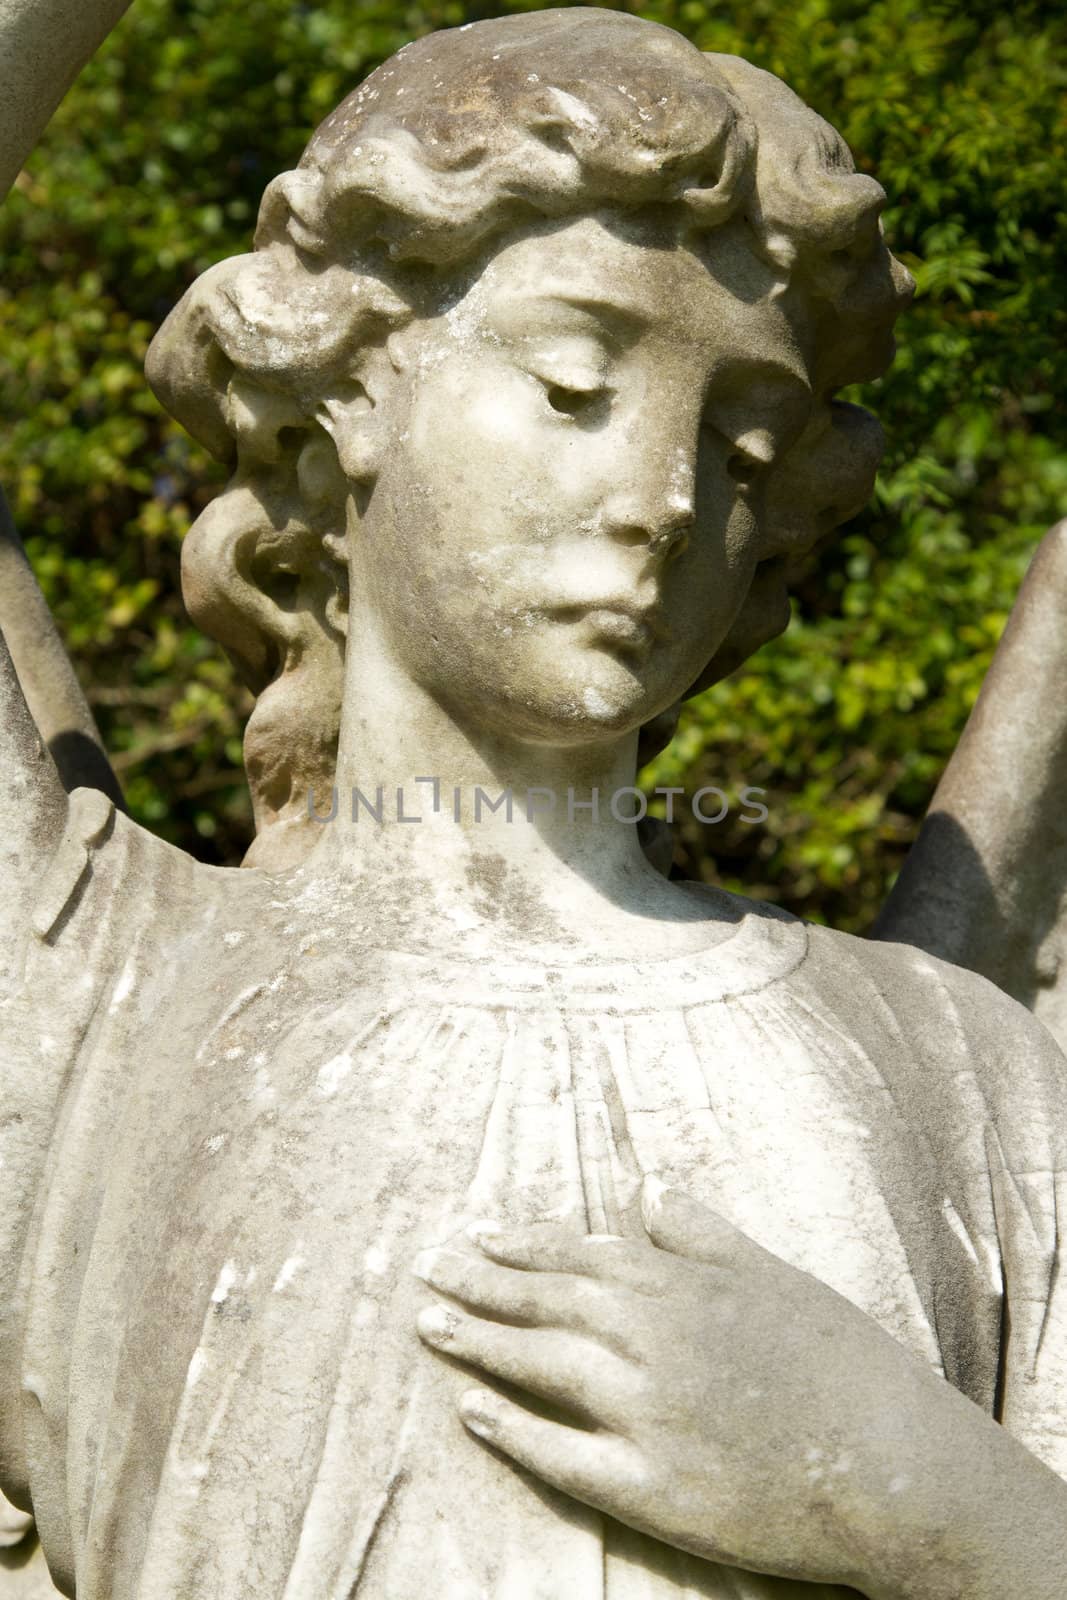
[704,1392]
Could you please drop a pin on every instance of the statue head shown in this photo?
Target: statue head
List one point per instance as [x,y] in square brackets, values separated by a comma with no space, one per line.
[530,375]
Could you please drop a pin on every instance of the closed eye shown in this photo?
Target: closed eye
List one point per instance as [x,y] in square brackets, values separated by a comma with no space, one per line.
[577,403]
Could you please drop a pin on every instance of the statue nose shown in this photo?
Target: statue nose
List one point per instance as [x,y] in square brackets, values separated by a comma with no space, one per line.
[671,541]
[664,536]
[657,507]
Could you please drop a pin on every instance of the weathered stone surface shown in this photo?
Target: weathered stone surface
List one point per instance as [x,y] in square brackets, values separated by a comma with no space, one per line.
[527,388]
[52,691]
[986,884]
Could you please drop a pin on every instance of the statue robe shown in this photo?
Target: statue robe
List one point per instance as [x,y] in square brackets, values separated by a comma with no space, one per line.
[233,1114]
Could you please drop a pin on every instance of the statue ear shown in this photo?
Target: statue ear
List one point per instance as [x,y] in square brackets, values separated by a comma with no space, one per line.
[273,428]
[352,421]
[353,414]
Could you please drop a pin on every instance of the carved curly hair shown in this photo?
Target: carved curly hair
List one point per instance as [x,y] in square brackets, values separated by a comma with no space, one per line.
[460,138]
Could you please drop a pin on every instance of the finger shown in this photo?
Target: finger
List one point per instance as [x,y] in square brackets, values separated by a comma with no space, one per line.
[537,1299]
[676,1222]
[547,1247]
[599,1468]
[556,1365]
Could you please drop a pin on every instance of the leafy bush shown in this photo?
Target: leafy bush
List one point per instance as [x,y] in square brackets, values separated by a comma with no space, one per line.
[153,169]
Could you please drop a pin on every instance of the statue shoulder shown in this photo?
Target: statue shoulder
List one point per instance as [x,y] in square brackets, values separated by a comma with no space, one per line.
[121,872]
[89,824]
[964,1036]
[103,884]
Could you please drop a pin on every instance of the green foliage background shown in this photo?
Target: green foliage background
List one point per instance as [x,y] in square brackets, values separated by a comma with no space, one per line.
[153,169]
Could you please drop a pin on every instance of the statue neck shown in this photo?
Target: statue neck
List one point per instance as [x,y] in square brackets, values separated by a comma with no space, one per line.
[450,835]
[455,800]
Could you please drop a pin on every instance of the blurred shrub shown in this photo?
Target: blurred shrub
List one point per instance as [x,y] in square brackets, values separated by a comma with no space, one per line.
[153,169]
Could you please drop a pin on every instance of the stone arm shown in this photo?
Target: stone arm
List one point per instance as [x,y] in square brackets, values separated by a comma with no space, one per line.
[44,670]
[985,885]
[43,46]
[33,808]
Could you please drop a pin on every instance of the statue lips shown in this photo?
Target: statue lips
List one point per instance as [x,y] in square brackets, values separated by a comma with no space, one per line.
[628,624]
[631,631]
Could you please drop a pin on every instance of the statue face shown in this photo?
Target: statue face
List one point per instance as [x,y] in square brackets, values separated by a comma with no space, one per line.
[568,508]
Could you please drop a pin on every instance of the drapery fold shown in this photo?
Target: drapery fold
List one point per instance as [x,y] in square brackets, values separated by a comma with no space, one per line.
[260,1124]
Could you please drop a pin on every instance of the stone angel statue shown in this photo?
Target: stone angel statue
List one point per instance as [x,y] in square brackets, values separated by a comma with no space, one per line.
[475,1208]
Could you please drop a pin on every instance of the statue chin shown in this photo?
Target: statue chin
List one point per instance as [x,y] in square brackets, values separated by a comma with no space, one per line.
[15,1525]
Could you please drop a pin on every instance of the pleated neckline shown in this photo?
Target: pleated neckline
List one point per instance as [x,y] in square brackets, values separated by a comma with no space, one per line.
[767,944]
